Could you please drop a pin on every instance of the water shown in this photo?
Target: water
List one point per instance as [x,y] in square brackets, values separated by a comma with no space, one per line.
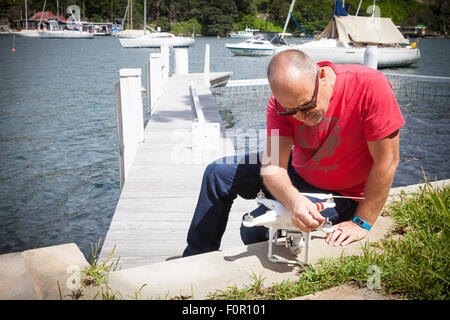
[59,173]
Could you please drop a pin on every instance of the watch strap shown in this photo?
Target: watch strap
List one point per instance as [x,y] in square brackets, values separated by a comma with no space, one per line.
[360,222]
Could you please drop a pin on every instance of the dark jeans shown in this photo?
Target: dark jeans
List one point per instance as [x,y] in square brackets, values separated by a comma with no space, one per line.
[225,179]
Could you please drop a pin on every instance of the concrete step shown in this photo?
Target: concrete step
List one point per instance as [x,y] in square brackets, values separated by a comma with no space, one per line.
[34,274]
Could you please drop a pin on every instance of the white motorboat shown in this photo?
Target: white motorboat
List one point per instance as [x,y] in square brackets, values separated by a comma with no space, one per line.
[157,39]
[263,44]
[247,34]
[346,37]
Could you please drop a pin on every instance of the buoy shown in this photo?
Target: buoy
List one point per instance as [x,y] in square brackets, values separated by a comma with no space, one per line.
[14,44]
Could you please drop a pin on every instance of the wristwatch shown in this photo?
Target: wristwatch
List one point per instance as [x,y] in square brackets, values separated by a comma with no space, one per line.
[360,222]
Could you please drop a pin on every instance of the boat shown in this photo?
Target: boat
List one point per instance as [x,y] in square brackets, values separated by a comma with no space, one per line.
[128,33]
[263,44]
[346,37]
[156,39]
[30,33]
[29,29]
[56,31]
[247,34]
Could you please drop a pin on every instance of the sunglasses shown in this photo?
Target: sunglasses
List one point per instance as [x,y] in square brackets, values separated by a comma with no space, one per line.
[306,107]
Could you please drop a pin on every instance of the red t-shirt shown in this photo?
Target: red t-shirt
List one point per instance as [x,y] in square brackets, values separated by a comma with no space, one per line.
[333,155]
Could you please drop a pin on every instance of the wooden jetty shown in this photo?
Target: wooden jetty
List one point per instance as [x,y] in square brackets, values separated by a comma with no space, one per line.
[160,191]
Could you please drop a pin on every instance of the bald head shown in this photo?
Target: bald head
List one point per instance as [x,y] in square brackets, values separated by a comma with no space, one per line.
[289,68]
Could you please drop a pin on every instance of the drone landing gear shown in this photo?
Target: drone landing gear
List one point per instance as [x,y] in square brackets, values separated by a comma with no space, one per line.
[295,241]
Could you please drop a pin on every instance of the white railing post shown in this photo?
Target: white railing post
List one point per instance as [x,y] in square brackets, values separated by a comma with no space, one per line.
[130,120]
[154,80]
[206,66]
[181,61]
[165,54]
[205,135]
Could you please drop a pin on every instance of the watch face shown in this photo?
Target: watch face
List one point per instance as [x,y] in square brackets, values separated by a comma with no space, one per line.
[359,221]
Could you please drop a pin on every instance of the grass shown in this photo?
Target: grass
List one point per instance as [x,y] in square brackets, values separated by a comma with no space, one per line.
[96,275]
[413,265]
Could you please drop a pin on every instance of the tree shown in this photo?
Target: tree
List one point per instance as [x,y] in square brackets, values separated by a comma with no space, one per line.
[217,18]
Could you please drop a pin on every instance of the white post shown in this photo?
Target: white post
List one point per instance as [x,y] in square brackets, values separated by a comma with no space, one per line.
[181,61]
[165,54]
[371,57]
[206,66]
[130,120]
[154,80]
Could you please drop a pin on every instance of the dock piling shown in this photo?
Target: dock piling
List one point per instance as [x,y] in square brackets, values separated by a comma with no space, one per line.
[130,120]
[181,61]
[154,80]
[371,57]
[206,65]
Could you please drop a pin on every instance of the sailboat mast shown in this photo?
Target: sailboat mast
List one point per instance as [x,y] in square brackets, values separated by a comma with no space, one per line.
[26,15]
[145,14]
[131,14]
[288,17]
[334,25]
[359,6]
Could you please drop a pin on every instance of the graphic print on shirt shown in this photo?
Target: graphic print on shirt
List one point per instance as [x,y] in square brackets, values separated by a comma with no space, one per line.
[318,142]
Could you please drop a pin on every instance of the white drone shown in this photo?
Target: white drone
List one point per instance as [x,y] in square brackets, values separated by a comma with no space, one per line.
[280,218]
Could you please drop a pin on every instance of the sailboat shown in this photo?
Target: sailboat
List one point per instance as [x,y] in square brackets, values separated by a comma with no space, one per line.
[26,32]
[62,30]
[154,39]
[345,38]
[130,32]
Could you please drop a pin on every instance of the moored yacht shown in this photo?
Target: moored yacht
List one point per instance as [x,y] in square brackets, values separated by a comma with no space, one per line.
[56,32]
[156,39]
[247,34]
[346,37]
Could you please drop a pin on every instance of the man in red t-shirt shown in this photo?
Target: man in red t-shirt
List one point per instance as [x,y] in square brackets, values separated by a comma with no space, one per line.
[343,121]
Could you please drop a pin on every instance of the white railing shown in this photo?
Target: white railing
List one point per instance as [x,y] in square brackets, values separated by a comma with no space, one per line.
[198,111]
[205,135]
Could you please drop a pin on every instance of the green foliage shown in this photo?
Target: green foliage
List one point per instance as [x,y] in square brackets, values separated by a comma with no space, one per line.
[255,23]
[220,17]
[186,27]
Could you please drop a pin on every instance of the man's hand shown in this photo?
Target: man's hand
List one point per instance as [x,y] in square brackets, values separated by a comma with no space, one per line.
[345,233]
[305,215]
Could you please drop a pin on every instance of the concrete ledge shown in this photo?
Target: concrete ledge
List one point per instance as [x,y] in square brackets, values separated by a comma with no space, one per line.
[395,192]
[34,274]
[197,276]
